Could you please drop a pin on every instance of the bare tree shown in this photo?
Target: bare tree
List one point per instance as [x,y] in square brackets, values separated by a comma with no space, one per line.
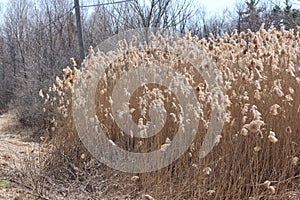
[156,13]
[38,39]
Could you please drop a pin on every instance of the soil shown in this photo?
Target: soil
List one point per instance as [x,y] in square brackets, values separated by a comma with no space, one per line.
[14,148]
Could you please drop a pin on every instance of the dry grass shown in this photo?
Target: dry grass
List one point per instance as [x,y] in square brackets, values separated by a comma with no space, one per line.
[257,156]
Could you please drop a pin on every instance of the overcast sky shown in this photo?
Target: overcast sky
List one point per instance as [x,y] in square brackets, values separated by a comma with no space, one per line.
[212,6]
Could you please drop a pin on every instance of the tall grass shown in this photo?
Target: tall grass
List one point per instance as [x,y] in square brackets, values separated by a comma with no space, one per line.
[257,155]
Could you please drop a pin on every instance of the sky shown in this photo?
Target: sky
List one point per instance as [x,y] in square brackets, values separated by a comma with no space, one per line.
[216,6]
[211,6]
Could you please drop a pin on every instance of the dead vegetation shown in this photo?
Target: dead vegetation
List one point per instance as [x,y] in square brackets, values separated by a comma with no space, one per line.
[257,156]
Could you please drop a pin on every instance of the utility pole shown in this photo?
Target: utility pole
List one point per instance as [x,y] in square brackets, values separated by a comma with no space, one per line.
[79,30]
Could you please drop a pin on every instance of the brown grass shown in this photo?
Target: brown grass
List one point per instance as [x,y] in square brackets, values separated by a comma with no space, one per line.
[259,69]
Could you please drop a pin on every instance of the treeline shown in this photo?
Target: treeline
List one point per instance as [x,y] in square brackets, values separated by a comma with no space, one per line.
[38,37]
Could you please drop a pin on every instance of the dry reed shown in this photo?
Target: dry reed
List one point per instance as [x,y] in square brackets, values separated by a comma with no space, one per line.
[257,156]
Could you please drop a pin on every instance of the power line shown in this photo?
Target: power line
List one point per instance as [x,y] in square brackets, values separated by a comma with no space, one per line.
[79,30]
[77,6]
[83,6]
[105,4]
[78,22]
[56,19]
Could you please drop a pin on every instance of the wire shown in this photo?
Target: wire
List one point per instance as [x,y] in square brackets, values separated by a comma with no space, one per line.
[71,9]
[57,18]
[104,4]
[86,6]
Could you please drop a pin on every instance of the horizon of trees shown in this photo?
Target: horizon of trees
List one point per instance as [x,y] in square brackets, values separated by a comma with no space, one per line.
[38,37]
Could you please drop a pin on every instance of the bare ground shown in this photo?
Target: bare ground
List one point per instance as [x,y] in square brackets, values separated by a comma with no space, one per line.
[17,149]
[13,150]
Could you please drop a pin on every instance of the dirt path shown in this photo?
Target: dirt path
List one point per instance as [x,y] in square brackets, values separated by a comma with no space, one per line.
[13,150]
